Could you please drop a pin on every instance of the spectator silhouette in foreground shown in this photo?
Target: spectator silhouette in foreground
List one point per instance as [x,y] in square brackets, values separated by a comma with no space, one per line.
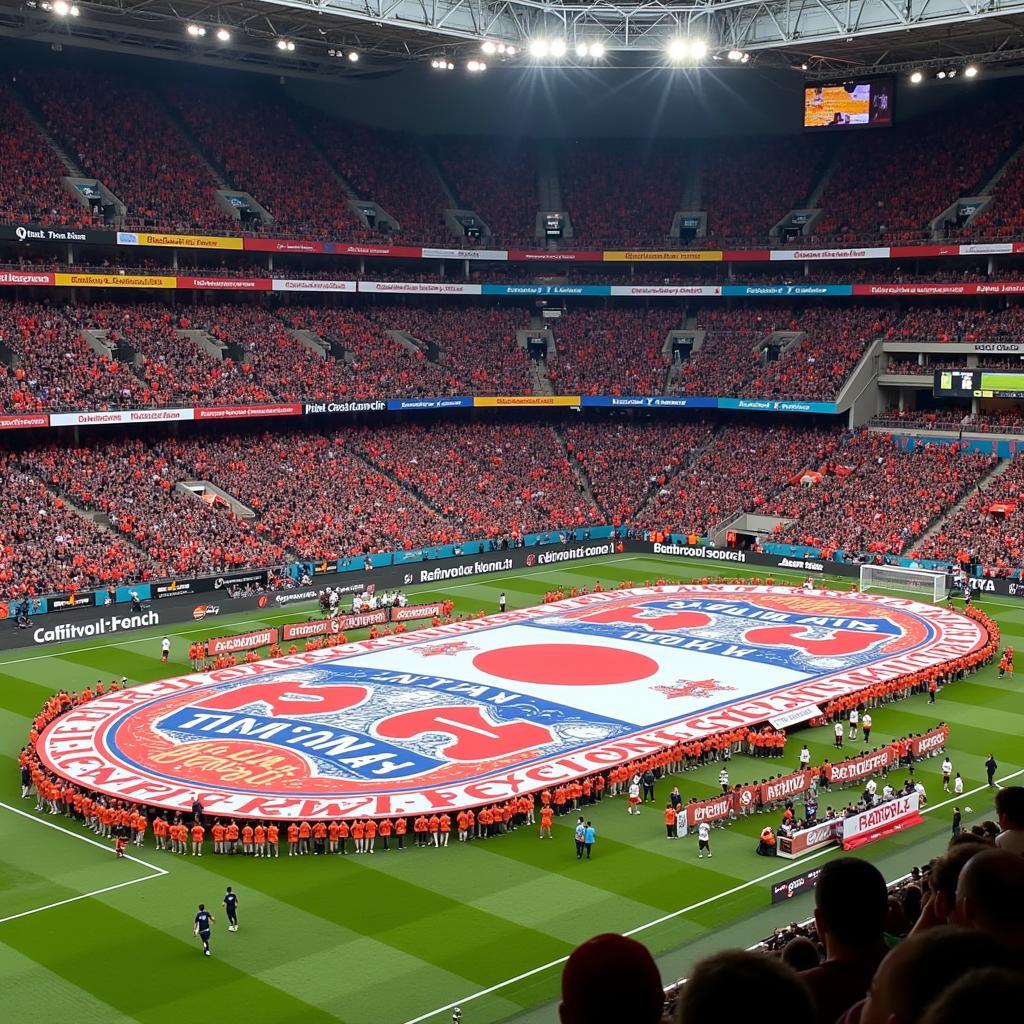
[917,972]
[610,979]
[851,903]
[1010,809]
[983,994]
[990,896]
[749,985]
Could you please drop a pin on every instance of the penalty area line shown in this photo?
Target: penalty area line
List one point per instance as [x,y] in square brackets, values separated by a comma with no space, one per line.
[678,913]
[154,870]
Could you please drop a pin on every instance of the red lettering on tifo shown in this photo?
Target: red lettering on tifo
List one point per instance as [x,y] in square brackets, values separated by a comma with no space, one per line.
[647,617]
[474,737]
[839,642]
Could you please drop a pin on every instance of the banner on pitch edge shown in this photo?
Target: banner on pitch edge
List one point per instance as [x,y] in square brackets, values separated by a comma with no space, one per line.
[330,627]
[241,642]
[881,820]
[415,611]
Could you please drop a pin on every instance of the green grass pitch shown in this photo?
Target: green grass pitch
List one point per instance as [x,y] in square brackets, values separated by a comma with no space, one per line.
[402,937]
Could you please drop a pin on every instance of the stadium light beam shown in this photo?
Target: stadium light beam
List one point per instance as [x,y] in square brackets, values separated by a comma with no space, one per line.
[678,49]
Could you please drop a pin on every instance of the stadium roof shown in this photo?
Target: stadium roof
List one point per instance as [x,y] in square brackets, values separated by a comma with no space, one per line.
[830,37]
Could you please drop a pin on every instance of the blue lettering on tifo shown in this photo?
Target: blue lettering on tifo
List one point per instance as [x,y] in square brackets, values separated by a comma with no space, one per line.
[349,754]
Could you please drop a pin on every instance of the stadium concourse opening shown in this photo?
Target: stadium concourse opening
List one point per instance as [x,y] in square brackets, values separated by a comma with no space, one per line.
[453,717]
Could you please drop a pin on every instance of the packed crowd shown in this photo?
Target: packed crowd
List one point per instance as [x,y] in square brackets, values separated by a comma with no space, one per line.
[30,172]
[817,365]
[616,196]
[495,480]
[951,323]
[622,194]
[875,498]
[474,347]
[354,509]
[416,485]
[627,463]
[613,351]
[497,179]
[740,470]
[135,486]
[872,194]
[977,534]
[373,364]
[297,187]
[748,186]
[119,134]
[52,366]
[389,168]
[46,547]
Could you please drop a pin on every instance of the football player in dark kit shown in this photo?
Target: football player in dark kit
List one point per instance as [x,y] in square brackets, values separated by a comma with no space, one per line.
[231,908]
[204,919]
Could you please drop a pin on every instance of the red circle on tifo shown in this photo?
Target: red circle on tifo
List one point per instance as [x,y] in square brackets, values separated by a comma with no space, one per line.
[566,665]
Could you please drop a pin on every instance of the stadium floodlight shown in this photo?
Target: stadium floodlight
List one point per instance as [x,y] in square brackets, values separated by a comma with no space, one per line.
[970,71]
[285,44]
[510,51]
[353,56]
[582,50]
[540,48]
[224,35]
[597,50]
[735,55]
[62,8]
[476,66]
[916,77]
[488,47]
[941,74]
[698,49]
[557,47]
[678,49]
[500,47]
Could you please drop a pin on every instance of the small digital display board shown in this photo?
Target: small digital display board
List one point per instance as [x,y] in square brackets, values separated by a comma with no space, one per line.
[978,384]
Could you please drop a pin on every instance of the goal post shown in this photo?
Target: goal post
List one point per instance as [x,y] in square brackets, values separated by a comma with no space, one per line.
[931,584]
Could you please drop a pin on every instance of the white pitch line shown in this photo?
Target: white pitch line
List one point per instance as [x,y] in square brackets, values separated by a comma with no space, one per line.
[678,913]
[155,870]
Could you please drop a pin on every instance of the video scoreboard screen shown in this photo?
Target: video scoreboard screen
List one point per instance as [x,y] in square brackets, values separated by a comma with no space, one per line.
[978,384]
[860,104]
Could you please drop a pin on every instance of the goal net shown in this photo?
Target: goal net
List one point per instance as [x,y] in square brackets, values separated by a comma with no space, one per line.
[927,583]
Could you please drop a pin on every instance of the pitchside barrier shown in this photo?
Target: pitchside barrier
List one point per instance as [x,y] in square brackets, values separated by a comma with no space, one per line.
[197,598]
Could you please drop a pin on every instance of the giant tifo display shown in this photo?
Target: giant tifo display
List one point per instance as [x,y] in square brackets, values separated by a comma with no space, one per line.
[455,716]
